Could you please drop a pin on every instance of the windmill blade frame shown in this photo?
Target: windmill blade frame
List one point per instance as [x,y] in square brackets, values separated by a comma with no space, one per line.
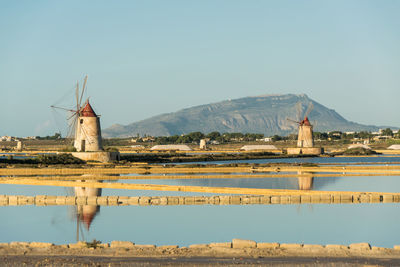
[294,131]
[309,109]
[77,96]
[72,124]
[83,90]
[299,110]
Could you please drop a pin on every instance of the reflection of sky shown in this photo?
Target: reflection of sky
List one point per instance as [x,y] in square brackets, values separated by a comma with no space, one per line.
[378,159]
[184,225]
[32,190]
[348,183]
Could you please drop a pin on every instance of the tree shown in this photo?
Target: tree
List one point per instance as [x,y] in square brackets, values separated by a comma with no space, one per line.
[363,135]
[320,136]
[252,136]
[335,135]
[387,132]
[196,136]
[213,135]
[276,138]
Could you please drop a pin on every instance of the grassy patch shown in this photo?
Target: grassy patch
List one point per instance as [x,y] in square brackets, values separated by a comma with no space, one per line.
[357,151]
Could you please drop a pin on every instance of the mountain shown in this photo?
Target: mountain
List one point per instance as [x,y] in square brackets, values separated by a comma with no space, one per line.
[265,114]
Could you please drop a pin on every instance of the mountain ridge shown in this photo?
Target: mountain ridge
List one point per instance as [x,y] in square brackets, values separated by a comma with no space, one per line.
[265,114]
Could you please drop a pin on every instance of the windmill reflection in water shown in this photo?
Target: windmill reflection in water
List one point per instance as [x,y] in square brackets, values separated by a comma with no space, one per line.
[85,214]
[305,180]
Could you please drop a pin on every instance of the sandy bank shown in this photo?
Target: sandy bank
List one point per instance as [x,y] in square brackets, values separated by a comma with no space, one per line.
[236,252]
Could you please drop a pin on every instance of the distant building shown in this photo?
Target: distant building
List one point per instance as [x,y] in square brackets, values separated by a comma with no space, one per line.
[148,139]
[382,137]
[203,144]
[266,139]
[6,138]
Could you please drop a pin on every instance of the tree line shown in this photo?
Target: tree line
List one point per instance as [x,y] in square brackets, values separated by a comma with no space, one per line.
[195,137]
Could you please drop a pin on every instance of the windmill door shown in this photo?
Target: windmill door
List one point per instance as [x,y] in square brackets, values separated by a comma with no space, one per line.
[83,143]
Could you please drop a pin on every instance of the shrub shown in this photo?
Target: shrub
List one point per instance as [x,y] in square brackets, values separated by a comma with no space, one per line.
[358,151]
[59,159]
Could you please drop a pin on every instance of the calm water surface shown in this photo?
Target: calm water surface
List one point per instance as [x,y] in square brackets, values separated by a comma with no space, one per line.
[184,225]
[377,224]
[378,159]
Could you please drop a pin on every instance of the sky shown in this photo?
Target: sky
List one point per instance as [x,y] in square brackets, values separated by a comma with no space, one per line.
[144,58]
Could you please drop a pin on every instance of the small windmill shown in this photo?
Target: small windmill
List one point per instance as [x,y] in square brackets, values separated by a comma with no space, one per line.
[84,123]
[305,134]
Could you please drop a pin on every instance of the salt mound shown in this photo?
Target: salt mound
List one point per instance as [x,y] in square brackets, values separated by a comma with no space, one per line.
[358,145]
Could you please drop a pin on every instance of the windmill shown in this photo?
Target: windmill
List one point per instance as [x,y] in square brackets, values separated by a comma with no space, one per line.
[84,123]
[305,133]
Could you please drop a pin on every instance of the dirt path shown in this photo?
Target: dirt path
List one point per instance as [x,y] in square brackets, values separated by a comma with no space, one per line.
[70,260]
[127,254]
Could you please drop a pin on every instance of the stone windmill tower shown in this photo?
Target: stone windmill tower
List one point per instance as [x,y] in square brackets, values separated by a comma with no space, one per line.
[305,135]
[305,139]
[305,129]
[85,123]
[88,131]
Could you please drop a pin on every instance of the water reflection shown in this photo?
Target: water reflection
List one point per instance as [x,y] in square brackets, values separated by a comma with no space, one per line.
[382,159]
[301,181]
[86,213]
[305,180]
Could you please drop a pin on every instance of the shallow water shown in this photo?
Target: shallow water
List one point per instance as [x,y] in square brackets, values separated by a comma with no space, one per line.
[184,225]
[388,184]
[378,159]
[348,183]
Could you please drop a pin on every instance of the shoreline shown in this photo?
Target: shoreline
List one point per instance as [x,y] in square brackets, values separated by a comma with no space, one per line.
[246,251]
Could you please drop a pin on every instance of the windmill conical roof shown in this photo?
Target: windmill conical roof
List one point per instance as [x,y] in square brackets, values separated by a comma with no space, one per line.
[305,122]
[87,111]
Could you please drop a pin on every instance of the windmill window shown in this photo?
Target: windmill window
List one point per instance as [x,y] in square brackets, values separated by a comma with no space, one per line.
[81,121]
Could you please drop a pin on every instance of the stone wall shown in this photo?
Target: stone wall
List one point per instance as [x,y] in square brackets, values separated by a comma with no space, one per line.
[42,200]
[100,156]
[305,150]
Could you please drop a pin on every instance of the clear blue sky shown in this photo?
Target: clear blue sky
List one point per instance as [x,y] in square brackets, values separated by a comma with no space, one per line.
[149,57]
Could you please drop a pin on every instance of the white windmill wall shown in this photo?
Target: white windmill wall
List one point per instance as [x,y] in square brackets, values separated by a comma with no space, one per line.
[87,191]
[305,182]
[305,138]
[88,135]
